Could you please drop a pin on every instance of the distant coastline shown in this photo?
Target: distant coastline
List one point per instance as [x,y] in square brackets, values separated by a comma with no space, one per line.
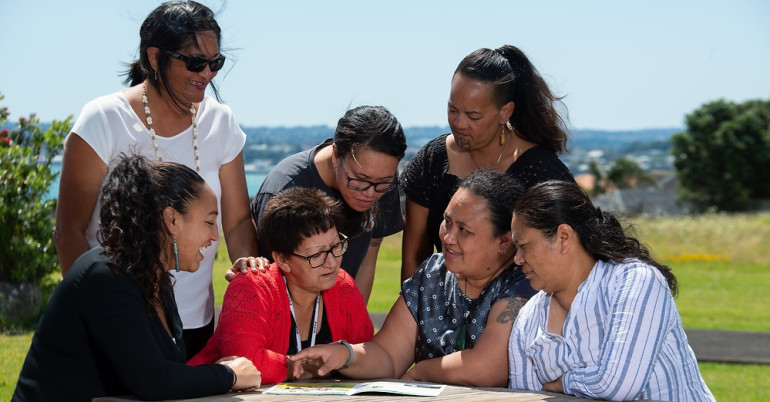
[253,181]
[266,146]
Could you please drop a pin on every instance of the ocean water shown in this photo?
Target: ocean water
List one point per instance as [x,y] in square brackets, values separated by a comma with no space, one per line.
[253,181]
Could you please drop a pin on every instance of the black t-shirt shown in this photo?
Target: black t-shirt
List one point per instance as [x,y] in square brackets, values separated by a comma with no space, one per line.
[426,181]
[298,170]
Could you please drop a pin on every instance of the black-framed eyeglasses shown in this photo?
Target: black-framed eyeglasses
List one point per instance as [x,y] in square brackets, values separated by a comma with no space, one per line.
[197,64]
[319,258]
[363,185]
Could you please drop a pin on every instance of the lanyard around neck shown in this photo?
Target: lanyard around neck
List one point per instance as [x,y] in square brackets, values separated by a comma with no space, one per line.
[294,317]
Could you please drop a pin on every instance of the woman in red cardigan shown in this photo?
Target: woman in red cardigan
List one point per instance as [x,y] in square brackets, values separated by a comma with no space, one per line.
[302,300]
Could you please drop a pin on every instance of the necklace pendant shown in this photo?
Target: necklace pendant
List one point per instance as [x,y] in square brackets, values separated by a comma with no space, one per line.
[459,343]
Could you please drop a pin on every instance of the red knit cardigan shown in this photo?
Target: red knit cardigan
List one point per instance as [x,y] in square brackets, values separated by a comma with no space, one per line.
[255,321]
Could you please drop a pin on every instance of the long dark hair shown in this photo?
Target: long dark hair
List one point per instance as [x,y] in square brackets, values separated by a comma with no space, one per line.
[131,228]
[500,192]
[547,205]
[171,26]
[535,116]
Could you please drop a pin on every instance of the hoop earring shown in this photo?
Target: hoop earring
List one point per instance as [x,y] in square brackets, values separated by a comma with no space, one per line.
[176,256]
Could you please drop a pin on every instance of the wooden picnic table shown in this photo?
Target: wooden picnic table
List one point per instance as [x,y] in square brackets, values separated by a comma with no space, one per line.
[450,393]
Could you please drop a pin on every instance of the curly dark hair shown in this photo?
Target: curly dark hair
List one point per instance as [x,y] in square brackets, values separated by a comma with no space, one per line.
[295,214]
[535,116]
[131,228]
[547,205]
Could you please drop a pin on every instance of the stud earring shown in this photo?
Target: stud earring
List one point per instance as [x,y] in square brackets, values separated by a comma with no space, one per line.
[176,256]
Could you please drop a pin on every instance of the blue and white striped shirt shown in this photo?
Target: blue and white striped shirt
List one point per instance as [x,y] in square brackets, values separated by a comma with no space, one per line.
[622,339]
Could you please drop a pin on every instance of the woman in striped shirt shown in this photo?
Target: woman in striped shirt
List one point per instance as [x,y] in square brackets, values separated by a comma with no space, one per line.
[604,324]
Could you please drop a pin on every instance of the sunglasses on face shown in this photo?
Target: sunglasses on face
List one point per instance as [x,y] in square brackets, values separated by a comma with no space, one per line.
[196,64]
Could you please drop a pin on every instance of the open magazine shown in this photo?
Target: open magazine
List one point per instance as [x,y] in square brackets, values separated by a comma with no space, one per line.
[343,388]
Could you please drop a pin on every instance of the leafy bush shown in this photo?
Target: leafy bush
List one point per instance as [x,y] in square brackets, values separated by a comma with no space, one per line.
[722,161]
[27,251]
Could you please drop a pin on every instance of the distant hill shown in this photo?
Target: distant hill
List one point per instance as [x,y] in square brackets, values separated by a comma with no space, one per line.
[618,139]
[418,136]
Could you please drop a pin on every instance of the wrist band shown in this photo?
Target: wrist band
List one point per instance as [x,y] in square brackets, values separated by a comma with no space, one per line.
[350,350]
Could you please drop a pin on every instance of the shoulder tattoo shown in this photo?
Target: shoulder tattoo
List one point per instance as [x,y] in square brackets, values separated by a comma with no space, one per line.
[511,310]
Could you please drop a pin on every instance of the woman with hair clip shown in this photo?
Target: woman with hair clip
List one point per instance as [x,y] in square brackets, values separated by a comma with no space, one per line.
[604,324]
[503,116]
[166,116]
[112,326]
[359,167]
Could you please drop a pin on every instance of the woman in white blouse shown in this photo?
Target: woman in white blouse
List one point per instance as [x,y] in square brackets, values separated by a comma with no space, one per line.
[604,324]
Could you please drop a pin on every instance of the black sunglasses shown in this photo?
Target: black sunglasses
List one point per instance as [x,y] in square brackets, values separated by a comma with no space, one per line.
[197,64]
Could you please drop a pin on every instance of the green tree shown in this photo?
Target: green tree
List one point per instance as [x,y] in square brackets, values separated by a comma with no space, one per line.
[595,169]
[626,173]
[27,251]
[722,160]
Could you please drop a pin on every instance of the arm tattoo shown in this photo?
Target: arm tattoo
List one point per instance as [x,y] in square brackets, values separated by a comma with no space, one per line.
[511,311]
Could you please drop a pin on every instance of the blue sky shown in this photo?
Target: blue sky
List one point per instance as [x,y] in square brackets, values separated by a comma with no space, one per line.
[621,65]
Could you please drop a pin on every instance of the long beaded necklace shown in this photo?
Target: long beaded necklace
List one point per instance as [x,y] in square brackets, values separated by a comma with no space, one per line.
[152,130]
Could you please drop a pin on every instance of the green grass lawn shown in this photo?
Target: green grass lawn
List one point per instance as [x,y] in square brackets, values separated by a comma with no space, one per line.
[721,262]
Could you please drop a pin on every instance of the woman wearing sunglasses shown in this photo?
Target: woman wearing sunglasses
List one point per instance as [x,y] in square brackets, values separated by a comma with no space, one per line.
[302,300]
[165,116]
[359,167]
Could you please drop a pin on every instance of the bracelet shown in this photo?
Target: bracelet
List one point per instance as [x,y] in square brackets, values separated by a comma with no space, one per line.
[350,350]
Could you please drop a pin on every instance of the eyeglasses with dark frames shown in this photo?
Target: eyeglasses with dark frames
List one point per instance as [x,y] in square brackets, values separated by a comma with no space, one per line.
[363,185]
[196,64]
[319,258]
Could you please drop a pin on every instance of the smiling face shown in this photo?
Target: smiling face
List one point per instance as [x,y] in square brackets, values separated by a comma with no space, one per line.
[469,245]
[300,275]
[364,164]
[191,86]
[538,256]
[195,230]
[474,118]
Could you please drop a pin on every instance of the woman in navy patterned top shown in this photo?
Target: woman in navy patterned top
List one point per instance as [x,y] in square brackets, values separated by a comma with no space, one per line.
[455,313]
[604,324]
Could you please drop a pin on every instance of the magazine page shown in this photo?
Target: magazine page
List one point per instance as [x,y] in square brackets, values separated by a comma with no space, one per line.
[342,388]
[400,388]
[311,388]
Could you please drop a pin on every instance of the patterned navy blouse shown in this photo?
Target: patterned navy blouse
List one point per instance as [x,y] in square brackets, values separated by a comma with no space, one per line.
[447,319]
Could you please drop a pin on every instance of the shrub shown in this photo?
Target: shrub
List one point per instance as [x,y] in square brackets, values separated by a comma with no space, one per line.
[27,251]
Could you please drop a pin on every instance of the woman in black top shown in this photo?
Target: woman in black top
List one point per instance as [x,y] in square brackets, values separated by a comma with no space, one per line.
[112,325]
[503,117]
